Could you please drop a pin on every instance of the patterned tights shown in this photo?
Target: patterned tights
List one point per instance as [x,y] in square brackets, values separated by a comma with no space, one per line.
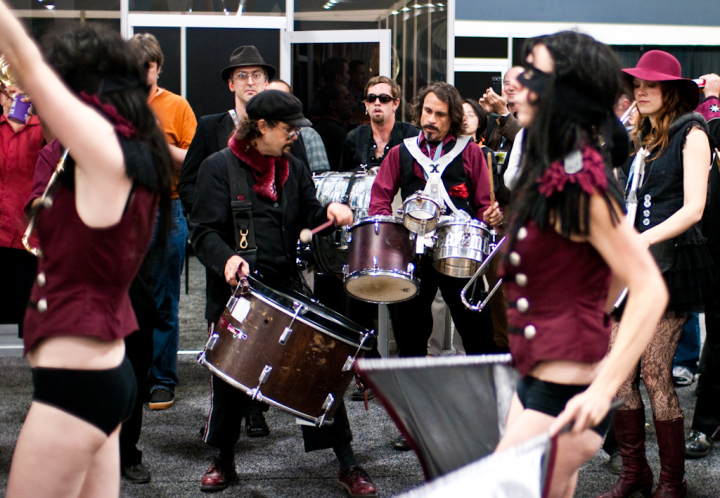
[656,370]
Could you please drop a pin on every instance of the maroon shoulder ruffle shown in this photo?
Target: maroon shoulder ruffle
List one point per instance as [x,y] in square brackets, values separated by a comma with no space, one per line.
[590,178]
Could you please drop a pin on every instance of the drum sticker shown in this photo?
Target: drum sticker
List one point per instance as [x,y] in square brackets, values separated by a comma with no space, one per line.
[237,333]
[241,309]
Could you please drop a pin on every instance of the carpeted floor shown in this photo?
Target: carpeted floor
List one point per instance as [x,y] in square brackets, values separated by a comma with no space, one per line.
[277,466]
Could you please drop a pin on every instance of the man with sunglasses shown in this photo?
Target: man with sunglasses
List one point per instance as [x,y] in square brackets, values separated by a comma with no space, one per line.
[368,144]
[273,197]
[247,75]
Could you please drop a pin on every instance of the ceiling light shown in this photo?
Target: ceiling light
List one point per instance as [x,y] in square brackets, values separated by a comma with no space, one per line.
[417,6]
[405,9]
[394,12]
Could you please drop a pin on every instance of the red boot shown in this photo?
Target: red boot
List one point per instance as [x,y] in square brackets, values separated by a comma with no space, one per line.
[636,479]
[670,438]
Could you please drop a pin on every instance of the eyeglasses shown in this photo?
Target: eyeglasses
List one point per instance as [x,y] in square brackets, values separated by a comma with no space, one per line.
[370,98]
[257,76]
[294,133]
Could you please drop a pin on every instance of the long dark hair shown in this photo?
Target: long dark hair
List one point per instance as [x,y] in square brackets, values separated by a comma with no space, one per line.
[448,94]
[96,60]
[574,111]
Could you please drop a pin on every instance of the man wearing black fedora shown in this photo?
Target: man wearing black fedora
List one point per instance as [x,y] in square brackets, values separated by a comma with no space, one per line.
[247,74]
[254,188]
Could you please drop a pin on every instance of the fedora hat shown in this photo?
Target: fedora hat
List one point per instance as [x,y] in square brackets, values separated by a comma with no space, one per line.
[247,55]
[657,65]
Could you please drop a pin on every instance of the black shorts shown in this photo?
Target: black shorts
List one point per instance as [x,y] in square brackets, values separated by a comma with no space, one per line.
[103,398]
[550,398]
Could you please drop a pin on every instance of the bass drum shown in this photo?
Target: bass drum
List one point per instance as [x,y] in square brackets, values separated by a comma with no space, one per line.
[286,350]
[331,251]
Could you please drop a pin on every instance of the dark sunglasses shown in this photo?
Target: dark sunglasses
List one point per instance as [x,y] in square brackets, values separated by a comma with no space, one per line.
[370,98]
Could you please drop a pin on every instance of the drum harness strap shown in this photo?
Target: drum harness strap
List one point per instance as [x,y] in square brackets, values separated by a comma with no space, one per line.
[435,167]
[241,206]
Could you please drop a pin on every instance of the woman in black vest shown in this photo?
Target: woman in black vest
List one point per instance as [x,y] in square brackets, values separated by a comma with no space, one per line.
[671,200]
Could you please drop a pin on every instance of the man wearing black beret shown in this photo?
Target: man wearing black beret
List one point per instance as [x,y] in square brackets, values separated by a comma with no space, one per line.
[274,193]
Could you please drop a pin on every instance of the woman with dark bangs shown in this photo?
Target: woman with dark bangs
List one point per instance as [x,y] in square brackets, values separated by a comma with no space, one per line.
[671,200]
[93,231]
[570,253]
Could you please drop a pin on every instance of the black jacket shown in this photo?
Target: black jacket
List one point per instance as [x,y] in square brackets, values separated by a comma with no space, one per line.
[213,227]
[211,136]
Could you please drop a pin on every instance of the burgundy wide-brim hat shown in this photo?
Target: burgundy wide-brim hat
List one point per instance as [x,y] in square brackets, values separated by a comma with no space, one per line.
[657,65]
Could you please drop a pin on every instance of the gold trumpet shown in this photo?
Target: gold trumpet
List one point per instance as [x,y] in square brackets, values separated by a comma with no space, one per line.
[5,79]
[46,202]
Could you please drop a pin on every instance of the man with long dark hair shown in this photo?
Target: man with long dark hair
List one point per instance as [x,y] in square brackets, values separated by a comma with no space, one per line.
[439,112]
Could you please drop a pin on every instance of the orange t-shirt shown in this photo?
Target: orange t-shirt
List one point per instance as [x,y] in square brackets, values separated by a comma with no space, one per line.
[177,121]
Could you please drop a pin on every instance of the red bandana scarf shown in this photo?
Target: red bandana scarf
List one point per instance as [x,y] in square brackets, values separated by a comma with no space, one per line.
[270,173]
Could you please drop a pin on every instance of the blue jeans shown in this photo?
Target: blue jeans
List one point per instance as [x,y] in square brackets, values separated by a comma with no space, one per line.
[688,349]
[167,265]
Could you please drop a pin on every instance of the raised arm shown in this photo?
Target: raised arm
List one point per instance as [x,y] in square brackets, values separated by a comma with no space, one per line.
[631,263]
[101,185]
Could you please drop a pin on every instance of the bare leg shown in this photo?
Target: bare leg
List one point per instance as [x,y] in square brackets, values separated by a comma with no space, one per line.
[572,450]
[61,444]
[103,476]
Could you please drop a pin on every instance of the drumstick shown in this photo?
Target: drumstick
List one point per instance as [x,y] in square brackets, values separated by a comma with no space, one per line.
[492,183]
[306,234]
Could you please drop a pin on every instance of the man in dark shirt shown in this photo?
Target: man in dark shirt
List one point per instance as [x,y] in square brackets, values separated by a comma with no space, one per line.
[368,144]
[280,204]
[336,104]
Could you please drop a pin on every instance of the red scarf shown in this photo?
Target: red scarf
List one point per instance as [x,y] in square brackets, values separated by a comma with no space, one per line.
[270,173]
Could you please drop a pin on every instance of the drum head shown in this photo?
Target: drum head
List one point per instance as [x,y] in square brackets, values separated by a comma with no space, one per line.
[381,287]
[421,215]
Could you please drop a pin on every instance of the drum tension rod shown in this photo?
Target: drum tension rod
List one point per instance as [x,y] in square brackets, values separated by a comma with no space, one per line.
[329,401]
[288,330]
[351,359]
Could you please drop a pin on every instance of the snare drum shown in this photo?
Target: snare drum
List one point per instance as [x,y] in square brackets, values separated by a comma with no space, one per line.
[460,247]
[418,209]
[285,350]
[330,251]
[380,265]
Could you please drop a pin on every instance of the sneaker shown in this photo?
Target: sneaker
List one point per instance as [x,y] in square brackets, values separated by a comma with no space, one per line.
[697,444]
[359,394]
[357,482]
[135,473]
[682,376]
[219,476]
[161,398]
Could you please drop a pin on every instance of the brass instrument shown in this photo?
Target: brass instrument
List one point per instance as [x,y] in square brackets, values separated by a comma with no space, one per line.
[5,79]
[495,248]
[46,202]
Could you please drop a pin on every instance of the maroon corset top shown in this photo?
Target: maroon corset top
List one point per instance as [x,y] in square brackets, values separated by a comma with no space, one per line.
[556,291]
[85,273]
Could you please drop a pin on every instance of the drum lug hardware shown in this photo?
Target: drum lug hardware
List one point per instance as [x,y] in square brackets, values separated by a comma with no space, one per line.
[201,358]
[346,270]
[285,335]
[212,340]
[265,374]
[328,402]
[375,263]
[410,268]
[349,238]
[348,364]
[377,227]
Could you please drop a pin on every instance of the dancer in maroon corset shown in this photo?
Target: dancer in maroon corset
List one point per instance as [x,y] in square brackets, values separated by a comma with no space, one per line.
[93,236]
[570,253]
